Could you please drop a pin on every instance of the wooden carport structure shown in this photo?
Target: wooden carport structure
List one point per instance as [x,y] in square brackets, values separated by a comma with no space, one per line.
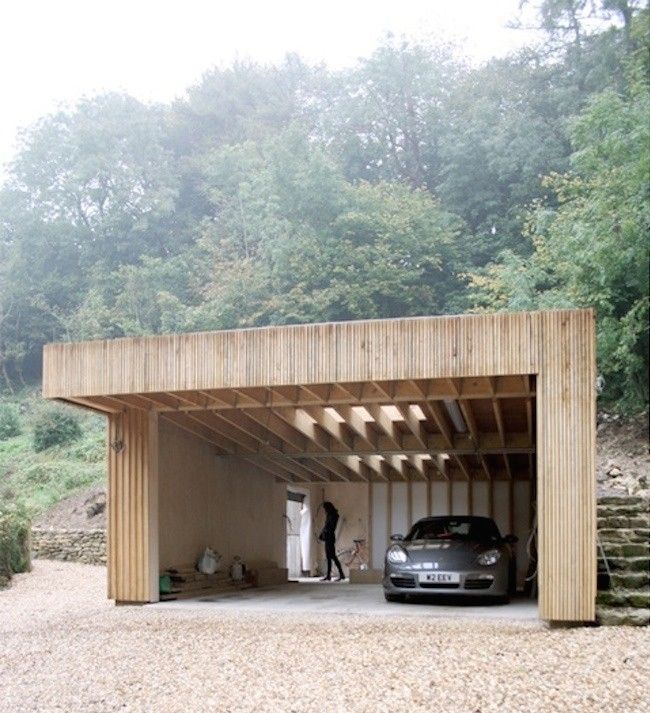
[502,397]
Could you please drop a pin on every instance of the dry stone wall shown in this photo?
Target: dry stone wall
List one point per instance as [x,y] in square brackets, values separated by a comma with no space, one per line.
[623,560]
[85,546]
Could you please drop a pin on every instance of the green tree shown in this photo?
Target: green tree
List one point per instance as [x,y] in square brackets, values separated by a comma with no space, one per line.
[592,250]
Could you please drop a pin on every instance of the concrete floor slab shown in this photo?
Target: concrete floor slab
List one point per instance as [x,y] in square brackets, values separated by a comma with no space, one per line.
[345,598]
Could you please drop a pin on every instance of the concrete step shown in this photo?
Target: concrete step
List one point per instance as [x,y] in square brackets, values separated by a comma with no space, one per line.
[623,501]
[638,534]
[612,616]
[627,564]
[624,598]
[626,549]
[630,580]
[624,521]
[605,513]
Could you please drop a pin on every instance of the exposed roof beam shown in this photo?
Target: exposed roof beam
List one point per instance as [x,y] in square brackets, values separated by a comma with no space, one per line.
[336,429]
[468,416]
[97,403]
[273,469]
[186,423]
[399,465]
[413,424]
[418,463]
[385,388]
[356,465]
[298,419]
[498,417]
[435,410]
[328,395]
[270,420]
[462,465]
[362,428]
[376,464]
[245,441]
[506,461]
[385,424]
[485,466]
[529,419]
[240,420]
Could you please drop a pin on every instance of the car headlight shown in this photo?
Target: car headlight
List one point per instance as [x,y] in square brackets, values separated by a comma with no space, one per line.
[396,554]
[489,557]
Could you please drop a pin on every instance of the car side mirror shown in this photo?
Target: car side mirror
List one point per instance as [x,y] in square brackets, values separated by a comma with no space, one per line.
[397,538]
[511,539]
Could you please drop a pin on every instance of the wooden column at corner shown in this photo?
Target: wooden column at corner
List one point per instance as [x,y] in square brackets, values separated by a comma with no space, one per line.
[133,506]
[566,481]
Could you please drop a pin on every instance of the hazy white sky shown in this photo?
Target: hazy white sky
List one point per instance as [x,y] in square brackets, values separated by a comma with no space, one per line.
[54,51]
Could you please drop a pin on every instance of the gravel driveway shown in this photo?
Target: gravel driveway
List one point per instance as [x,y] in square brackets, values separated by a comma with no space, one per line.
[64,647]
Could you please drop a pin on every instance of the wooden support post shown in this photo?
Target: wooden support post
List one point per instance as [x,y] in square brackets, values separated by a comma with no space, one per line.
[409,503]
[511,505]
[133,506]
[470,497]
[369,535]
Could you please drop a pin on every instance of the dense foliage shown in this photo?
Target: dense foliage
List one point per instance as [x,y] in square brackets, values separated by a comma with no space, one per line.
[14,542]
[54,426]
[9,421]
[409,184]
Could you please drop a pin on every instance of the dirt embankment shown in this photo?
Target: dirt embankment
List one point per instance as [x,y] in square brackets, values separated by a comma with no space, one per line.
[622,455]
[84,511]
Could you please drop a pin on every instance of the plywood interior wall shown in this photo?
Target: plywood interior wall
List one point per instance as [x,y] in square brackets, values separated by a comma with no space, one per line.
[224,503]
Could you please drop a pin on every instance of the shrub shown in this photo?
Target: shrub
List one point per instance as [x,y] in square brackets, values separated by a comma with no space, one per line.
[40,474]
[9,421]
[55,427]
[14,543]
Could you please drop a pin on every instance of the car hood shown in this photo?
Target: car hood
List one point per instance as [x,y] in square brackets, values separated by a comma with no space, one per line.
[446,552]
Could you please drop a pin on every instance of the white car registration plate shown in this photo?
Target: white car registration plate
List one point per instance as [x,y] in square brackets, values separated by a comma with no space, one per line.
[440,577]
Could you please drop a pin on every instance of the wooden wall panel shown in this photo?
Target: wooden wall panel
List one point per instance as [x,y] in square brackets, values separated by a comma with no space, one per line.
[566,481]
[425,347]
[133,507]
[558,347]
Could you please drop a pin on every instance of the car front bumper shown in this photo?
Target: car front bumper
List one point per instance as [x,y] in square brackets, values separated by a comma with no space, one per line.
[475,583]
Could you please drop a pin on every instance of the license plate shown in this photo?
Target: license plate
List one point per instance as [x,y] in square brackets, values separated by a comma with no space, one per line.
[440,577]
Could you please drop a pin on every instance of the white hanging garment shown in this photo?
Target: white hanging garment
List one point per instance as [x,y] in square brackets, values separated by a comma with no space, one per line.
[305,538]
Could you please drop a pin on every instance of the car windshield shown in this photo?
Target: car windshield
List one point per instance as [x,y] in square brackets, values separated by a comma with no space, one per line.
[475,529]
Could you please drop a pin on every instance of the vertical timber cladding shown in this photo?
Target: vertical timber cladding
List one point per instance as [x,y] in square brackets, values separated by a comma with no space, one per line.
[133,506]
[566,483]
[556,346]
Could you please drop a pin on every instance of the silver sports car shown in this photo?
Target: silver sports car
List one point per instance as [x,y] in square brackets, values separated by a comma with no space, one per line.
[451,555]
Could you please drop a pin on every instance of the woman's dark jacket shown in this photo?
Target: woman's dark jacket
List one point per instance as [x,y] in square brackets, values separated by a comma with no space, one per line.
[329,530]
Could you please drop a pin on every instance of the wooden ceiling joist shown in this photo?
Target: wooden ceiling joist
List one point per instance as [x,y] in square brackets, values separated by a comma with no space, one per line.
[385,424]
[359,431]
[436,390]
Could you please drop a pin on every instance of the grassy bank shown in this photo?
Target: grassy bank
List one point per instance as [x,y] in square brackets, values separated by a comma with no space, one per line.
[36,475]
[47,452]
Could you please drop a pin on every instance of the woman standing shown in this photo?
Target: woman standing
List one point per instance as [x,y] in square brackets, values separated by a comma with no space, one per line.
[328,536]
